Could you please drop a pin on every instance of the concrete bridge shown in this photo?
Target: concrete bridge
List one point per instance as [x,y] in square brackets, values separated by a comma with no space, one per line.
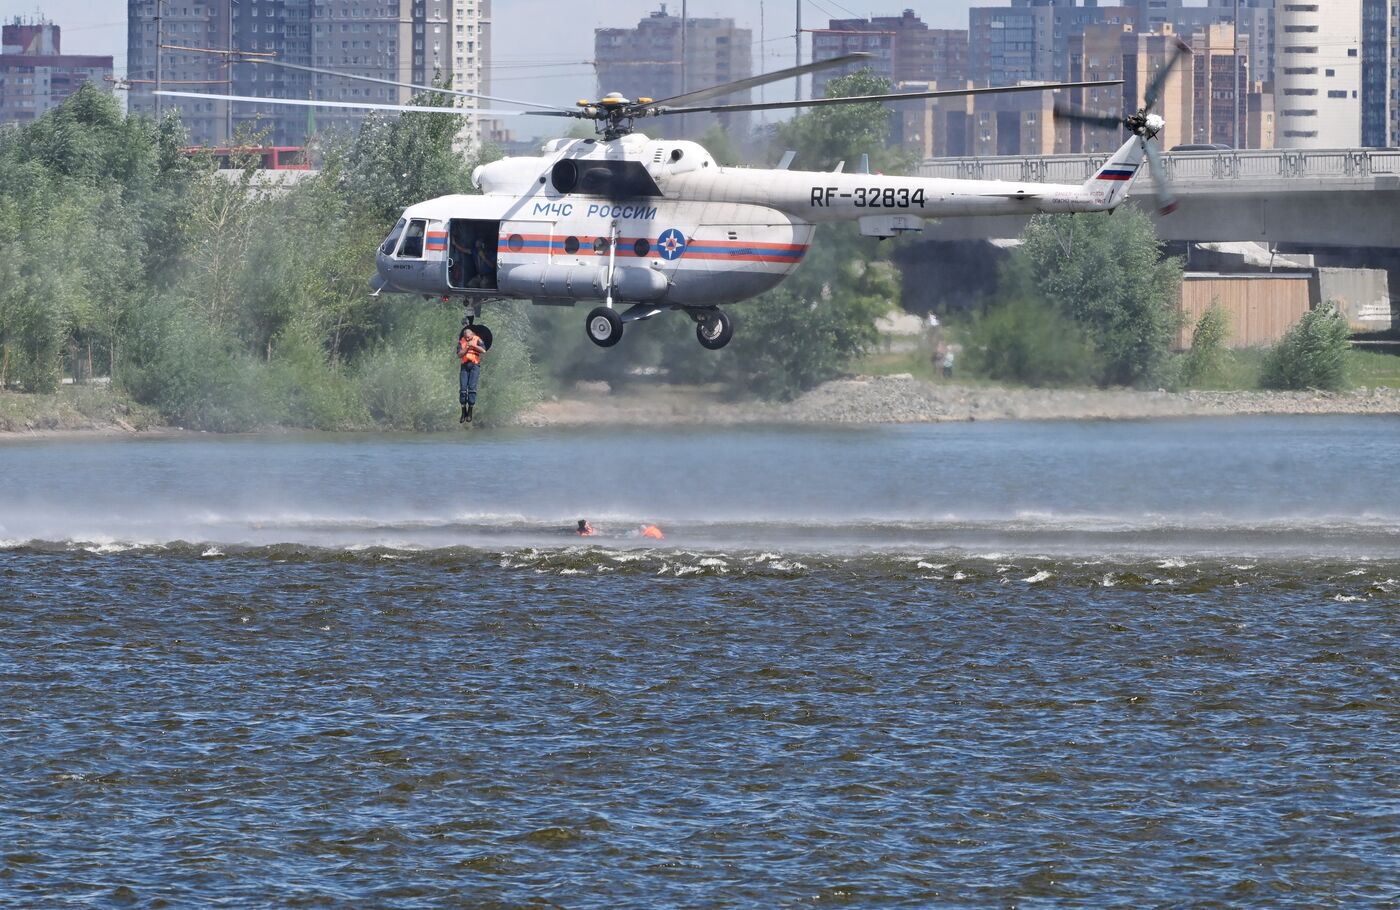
[1321,198]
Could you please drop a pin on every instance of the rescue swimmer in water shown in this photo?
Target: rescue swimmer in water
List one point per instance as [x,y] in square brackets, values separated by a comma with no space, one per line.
[658,225]
[648,531]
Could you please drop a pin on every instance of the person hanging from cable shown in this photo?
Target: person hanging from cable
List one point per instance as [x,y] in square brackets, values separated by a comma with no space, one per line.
[469,351]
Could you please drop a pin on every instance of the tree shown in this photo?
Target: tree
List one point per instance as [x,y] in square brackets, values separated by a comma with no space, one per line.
[395,162]
[1108,275]
[804,331]
[827,135]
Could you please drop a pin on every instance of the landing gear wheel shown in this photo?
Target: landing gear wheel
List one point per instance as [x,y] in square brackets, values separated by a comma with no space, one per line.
[604,327]
[713,330]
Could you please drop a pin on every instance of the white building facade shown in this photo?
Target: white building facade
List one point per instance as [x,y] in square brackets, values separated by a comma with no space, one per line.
[1318,72]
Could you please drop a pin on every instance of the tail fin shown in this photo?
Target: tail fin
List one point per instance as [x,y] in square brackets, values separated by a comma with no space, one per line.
[1109,186]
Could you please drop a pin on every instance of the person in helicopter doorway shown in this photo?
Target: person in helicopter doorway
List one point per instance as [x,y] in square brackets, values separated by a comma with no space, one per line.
[463,271]
[484,264]
[469,351]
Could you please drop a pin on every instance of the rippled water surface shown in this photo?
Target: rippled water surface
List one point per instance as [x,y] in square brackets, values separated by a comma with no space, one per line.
[1032,665]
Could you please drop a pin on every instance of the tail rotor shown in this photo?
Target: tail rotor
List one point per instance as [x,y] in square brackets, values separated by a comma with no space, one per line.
[1145,124]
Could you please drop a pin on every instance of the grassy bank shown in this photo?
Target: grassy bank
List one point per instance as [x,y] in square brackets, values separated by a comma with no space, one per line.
[1239,372]
[85,407]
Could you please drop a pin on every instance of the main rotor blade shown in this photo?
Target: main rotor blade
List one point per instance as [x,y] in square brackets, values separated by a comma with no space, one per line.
[729,88]
[1166,199]
[421,88]
[1094,118]
[1154,88]
[359,105]
[893,96]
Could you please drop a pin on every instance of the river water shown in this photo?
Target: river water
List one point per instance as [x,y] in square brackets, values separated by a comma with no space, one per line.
[967,665]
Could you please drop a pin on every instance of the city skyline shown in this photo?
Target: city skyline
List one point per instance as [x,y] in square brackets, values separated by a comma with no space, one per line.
[557,76]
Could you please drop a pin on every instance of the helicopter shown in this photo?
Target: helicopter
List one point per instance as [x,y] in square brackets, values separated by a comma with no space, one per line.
[656,225]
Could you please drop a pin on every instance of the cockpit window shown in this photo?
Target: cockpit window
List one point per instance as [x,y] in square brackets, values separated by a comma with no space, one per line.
[387,247]
[413,240]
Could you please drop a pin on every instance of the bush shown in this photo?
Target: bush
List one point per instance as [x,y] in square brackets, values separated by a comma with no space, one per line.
[1312,355]
[190,373]
[1030,342]
[1207,359]
[308,392]
[408,388]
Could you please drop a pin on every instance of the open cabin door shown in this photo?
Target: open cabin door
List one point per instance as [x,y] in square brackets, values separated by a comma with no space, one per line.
[471,254]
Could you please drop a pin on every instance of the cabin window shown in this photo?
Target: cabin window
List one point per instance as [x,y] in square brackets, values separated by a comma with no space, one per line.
[600,245]
[387,247]
[641,247]
[515,243]
[571,245]
[413,240]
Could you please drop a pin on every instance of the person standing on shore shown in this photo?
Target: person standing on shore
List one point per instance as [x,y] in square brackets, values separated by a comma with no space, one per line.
[469,351]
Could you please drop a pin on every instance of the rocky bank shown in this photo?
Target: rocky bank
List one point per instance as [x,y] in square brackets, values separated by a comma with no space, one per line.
[904,399]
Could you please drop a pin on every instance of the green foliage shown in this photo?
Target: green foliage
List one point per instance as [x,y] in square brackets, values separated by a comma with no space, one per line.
[804,331]
[721,147]
[1374,369]
[845,132]
[1313,355]
[223,304]
[395,162]
[1108,275]
[1208,359]
[1031,342]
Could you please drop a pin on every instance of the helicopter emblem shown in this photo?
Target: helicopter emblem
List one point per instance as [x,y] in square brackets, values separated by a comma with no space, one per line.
[671,243]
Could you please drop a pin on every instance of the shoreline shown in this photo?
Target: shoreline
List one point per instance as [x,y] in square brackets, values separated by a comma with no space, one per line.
[901,399]
[883,400]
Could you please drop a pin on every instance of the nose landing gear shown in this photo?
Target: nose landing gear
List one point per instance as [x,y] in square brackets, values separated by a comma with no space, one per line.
[713,328]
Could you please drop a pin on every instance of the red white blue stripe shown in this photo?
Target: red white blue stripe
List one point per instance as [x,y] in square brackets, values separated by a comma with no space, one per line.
[1118,172]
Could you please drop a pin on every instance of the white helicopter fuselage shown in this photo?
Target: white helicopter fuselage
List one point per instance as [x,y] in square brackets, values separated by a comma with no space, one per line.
[659,223]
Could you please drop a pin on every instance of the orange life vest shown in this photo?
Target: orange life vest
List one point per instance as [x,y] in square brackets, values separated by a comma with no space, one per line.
[469,350]
[653,532]
[586,531]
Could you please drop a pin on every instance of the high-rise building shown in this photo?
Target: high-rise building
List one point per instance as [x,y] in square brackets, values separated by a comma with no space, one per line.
[1096,55]
[35,75]
[187,32]
[1395,74]
[1012,44]
[647,61]
[1220,66]
[1144,57]
[904,49]
[408,41]
[1318,92]
[1031,38]
[1119,51]
[1377,77]
[1022,123]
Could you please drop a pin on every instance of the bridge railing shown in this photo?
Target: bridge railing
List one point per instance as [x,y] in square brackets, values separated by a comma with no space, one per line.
[1185,166]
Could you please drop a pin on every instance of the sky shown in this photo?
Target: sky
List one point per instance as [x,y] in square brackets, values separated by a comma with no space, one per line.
[541,47]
